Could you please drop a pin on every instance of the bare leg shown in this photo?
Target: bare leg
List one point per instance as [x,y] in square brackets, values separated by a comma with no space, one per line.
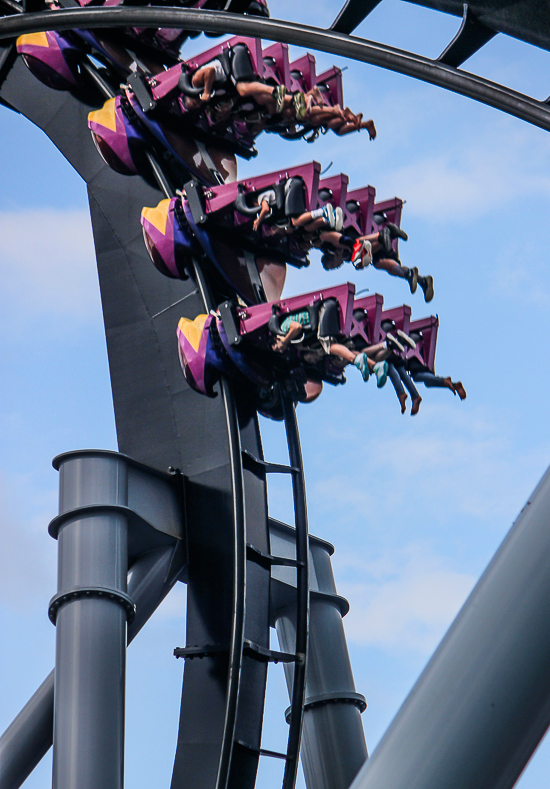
[262,94]
[204,78]
[304,220]
[347,355]
[392,267]
[282,343]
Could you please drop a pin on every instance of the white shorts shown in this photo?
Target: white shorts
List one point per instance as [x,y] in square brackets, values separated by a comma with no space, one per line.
[220,73]
[270,197]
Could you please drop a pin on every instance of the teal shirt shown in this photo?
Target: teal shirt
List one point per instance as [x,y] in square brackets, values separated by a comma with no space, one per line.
[300,317]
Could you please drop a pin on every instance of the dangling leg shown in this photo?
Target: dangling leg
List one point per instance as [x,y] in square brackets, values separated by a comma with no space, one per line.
[413,391]
[393,375]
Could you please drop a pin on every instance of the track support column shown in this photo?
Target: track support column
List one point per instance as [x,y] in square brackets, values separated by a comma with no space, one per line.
[90,611]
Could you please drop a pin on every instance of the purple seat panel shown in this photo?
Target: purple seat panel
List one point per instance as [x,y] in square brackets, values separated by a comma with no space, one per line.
[255,318]
[254,46]
[219,197]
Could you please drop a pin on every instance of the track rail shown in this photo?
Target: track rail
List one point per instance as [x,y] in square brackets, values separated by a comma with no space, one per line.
[302,595]
[431,71]
[238,646]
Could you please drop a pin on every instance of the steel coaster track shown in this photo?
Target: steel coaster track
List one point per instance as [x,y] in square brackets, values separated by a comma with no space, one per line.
[425,69]
[239,553]
[302,595]
[237,642]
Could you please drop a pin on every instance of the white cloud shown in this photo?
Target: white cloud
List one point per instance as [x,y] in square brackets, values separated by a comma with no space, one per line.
[48,264]
[470,182]
[461,463]
[27,552]
[407,602]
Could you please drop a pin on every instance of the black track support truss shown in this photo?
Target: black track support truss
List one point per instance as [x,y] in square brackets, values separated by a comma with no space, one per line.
[472,36]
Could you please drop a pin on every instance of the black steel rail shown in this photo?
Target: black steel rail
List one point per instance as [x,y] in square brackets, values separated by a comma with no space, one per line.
[239,561]
[431,71]
[302,595]
[237,642]
[236,645]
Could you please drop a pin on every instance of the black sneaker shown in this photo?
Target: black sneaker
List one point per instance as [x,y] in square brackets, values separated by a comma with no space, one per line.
[396,232]
[427,285]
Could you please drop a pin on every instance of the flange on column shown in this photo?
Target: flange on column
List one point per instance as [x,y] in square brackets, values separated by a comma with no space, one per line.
[111,511]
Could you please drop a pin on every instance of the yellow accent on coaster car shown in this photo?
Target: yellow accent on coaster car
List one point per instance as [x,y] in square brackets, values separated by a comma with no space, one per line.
[192,330]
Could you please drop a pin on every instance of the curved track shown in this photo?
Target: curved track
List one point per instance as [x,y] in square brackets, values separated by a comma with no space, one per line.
[163,423]
[215,443]
[432,71]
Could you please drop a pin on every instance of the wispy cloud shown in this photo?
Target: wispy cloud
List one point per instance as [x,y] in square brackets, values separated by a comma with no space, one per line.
[461,463]
[27,557]
[47,263]
[406,601]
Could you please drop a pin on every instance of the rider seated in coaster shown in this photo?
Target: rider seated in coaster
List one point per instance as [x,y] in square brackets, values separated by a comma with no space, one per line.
[212,73]
[376,248]
[398,373]
[422,374]
[292,331]
[310,221]
[339,120]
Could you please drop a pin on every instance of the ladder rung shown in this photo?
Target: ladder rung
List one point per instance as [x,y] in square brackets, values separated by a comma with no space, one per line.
[269,468]
[267,560]
[250,649]
[273,754]
[268,655]
[209,650]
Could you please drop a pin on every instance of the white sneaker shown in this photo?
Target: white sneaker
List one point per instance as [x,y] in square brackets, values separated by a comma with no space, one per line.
[328,216]
[406,338]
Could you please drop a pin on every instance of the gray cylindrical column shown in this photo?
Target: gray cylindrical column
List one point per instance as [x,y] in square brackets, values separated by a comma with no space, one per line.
[482,704]
[333,741]
[90,610]
[30,735]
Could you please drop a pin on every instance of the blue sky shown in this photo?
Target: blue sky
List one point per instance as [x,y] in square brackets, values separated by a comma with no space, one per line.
[415,507]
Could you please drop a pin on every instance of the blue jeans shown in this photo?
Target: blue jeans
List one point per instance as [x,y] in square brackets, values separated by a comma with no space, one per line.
[399,376]
[428,379]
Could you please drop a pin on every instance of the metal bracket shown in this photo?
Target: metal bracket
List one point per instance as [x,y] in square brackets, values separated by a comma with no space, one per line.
[254,275]
[269,468]
[267,560]
[230,323]
[262,654]
[195,198]
[472,35]
[141,91]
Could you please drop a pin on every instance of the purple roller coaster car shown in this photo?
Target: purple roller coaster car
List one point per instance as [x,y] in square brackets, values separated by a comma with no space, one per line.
[238,341]
[218,223]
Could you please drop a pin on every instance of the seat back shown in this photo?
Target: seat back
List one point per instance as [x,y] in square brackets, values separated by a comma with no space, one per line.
[392,210]
[302,72]
[367,315]
[425,349]
[359,209]
[400,316]
[254,46]
[331,81]
[294,197]
[276,67]
[337,185]
[242,68]
[329,319]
